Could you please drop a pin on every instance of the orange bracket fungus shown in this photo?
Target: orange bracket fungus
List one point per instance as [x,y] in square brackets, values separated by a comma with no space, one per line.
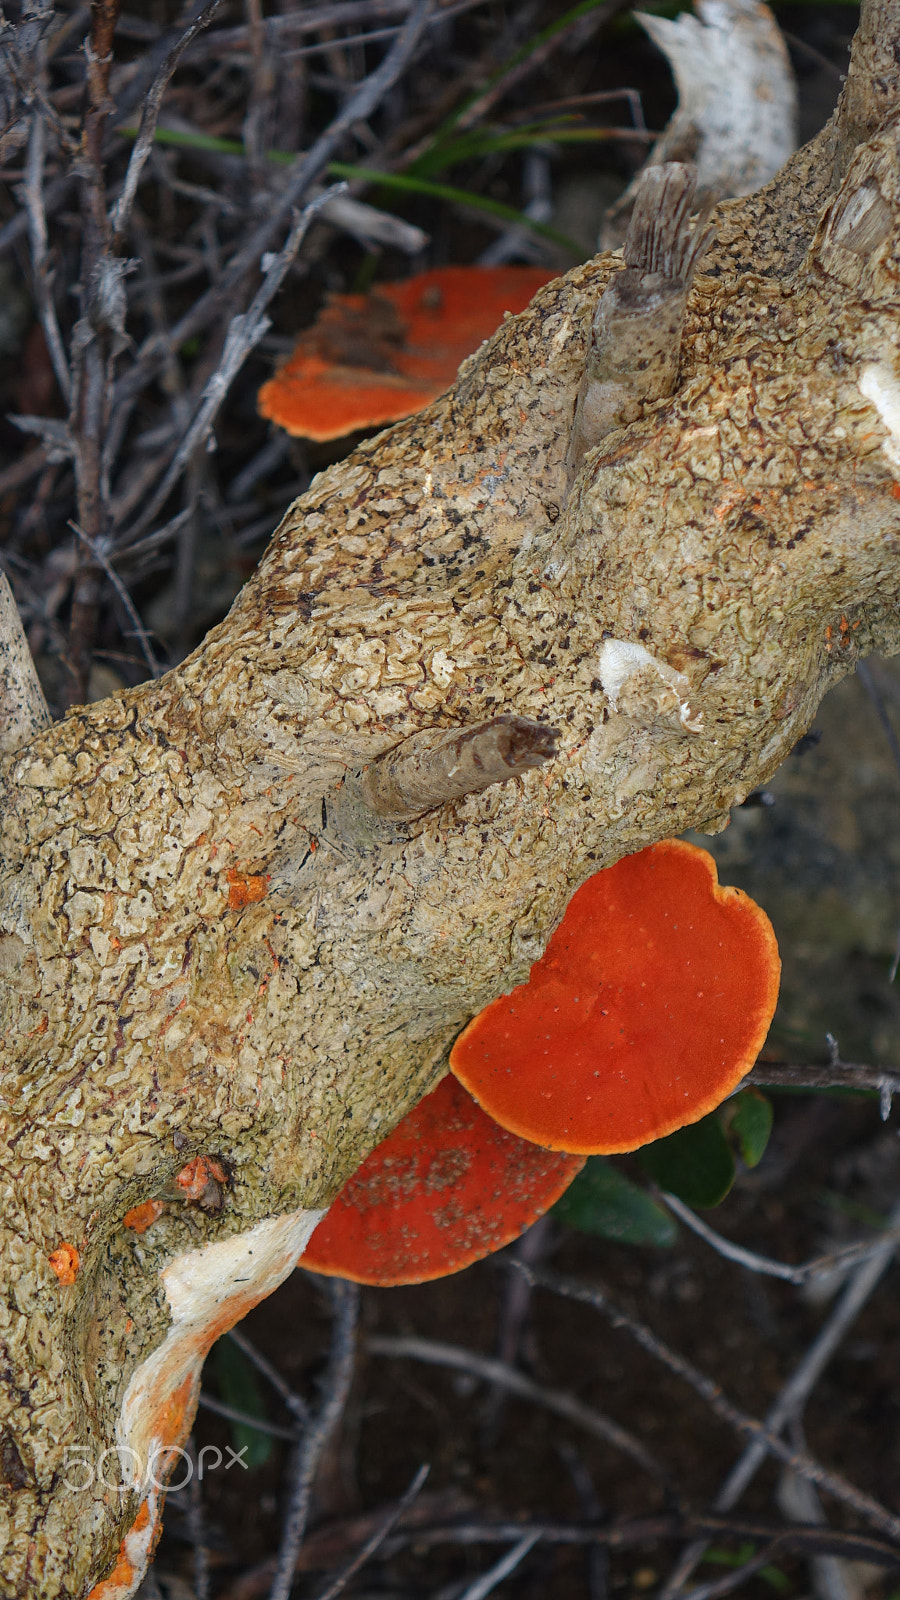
[446,1188]
[370,359]
[648,1007]
[650,1004]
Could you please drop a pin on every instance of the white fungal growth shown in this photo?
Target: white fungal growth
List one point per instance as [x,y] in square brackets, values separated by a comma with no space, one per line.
[208,1291]
[879,383]
[622,661]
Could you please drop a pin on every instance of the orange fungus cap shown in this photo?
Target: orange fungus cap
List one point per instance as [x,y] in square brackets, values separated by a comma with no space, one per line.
[446,1188]
[374,358]
[649,1006]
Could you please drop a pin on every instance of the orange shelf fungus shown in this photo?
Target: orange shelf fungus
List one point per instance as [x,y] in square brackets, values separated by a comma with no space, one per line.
[649,1006]
[370,359]
[446,1188]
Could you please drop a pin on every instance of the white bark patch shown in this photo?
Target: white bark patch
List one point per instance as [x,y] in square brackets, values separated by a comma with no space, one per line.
[880,385]
[208,1291]
[621,661]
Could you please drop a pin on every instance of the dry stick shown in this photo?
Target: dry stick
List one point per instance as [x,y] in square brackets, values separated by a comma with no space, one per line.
[489,1580]
[301,175]
[837,1075]
[865,677]
[102,560]
[376,1540]
[764,1439]
[143,144]
[497,1372]
[246,1418]
[295,1404]
[244,333]
[100,324]
[820,1267]
[796,1391]
[308,1453]
[637,1531]
[196,1523]
[37,239]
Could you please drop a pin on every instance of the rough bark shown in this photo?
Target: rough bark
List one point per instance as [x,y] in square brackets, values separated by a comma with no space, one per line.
[225,974]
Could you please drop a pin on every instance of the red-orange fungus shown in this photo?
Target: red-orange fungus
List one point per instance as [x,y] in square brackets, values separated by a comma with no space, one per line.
[446,1188]
[372,359]
[650,1004]
[194,1179]
[143,1216]
[65,1262]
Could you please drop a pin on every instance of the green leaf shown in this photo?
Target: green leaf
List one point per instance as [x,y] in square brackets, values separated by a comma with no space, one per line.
[239,1386]
[695,1163]
[748,1118]
[602,1200]
[772,1575]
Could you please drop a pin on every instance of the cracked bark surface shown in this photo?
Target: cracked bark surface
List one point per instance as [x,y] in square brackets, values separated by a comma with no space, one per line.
[218,957]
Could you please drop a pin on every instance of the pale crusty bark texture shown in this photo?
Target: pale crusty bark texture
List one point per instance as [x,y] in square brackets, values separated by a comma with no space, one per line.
[212,946]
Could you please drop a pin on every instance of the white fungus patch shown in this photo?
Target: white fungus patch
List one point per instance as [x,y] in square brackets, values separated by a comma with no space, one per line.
[621,660]
[880,385]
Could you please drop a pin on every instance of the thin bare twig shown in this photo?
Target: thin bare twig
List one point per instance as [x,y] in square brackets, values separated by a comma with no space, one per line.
[489,1580]
[820,1267]
[244,333]
[143,144]
[309,1451]
[386,1526]
[102,560]
[497,1372]
[837,1075]
[294,1402]
[246,1418]
[301,175]
[763,1438]
[37,239]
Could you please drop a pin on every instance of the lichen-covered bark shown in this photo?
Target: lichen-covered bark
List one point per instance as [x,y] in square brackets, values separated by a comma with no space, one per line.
[211,947]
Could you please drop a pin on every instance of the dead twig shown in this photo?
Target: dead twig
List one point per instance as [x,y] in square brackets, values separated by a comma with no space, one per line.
[244,333]
[827,1266]
[764,1440]
[143,144]
[558,1401]
[373,1544]
[309,1451]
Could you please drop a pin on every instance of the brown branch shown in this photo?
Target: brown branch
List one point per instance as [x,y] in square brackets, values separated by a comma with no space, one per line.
[834,1483]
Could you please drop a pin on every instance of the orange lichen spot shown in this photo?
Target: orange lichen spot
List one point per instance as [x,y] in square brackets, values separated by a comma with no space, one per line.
[446,1188]
[652,1001]
[374,358]
[143,1216]
[245,891]
[199,1176]
[42,1027]
[65,1262]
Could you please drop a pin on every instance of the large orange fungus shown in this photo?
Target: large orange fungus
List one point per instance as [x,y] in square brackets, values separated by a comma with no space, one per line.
[370,359]
[446,1188]
[650,1004]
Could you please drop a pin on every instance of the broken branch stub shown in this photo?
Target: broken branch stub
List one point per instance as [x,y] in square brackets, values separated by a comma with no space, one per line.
[192,968]
[422,774]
